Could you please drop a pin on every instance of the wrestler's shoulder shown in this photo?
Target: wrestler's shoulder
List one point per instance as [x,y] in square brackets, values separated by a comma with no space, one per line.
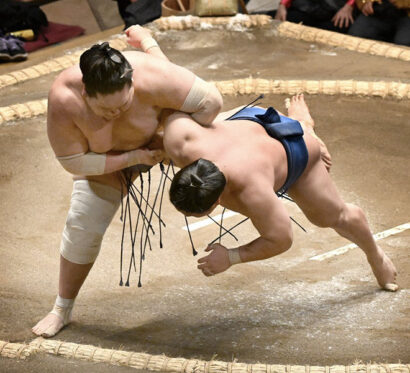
[138,59]
[148,67]
[65,92]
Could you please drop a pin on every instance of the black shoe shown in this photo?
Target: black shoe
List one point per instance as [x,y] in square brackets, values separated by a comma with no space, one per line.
[4,50]
[15,48]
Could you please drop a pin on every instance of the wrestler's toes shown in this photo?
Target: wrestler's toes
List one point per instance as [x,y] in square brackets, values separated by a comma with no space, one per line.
[51,331]
[391,287]
[36,329]
[49,326]
[40,327]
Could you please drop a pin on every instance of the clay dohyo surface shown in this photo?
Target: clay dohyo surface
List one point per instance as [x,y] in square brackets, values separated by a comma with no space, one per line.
[285,310]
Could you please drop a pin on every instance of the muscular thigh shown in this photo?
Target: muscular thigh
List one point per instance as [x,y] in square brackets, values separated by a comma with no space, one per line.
[317,196]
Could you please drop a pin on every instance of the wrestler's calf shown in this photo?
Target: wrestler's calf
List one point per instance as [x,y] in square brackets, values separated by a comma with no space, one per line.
[93,205]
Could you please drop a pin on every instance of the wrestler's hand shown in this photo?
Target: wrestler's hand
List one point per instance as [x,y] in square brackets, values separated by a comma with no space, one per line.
[216,262]
[136,34]
[145,156]
[157,141]
[344,17]
[281,13]
[367,9]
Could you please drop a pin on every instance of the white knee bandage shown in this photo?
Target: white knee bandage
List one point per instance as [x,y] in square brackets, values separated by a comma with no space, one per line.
[196,97]
[93,205]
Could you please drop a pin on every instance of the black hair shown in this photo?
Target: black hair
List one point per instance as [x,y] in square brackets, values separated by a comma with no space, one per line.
[105,70]
[196,187]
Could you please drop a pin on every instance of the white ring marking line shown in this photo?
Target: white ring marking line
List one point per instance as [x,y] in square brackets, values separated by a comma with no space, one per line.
[377,236]
[207,221]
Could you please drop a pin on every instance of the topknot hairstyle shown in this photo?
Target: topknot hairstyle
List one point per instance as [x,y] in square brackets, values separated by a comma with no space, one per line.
[196,187]
[105,70]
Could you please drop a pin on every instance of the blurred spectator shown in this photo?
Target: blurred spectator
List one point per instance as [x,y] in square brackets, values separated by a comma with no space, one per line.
[385,20]
[334,15]
[122,5]
[17,15]
[22,18]
[139,12]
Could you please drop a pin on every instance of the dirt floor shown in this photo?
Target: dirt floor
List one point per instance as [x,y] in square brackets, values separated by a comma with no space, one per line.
[285,310]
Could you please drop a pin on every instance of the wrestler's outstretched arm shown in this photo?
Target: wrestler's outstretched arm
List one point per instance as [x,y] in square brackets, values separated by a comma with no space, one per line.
[141,37]
[269,217]
[170,86]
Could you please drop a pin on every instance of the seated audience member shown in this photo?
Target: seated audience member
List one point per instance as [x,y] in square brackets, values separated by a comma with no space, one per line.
[139,12]
[387,20]
[329,15]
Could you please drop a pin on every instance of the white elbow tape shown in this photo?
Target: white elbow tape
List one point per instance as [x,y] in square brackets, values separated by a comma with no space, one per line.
[93,205]
[234,257]
[148,43]
[196,96]
[84,163]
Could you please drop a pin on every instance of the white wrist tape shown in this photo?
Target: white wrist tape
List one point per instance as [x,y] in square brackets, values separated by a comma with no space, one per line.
[133,157]
[63,308]
[234,257]
[196,96]
[148,43]
[93,205]
[84,163]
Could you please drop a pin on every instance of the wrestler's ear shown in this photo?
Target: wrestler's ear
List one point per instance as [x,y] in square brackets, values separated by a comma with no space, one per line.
[217,203]
[83,91]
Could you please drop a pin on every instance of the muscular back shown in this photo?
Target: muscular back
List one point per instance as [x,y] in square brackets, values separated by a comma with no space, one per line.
[241,149]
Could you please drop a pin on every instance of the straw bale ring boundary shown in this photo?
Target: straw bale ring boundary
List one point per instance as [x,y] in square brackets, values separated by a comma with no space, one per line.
[285,29]
[162,363]
[396,90]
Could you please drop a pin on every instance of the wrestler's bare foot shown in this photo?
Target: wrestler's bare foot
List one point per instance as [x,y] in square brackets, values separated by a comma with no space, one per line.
[298,110]
[384,270]
[49,326]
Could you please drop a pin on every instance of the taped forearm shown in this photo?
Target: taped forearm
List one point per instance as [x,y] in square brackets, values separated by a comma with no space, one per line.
[203,101]
[91,163]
